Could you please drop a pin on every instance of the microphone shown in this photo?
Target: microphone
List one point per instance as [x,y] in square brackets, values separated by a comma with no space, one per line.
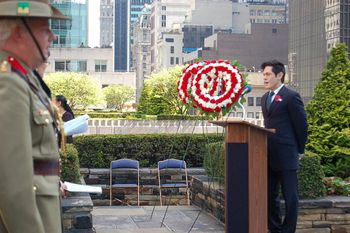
[247,89]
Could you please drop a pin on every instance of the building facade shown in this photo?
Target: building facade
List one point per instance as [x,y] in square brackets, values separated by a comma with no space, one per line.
[166,15]
[71,33]
[240,17]
[275,13]
[263,1]
[265,42]
[121,39]
[316,26]
[106,23]
[141,49]
[97,62]
[208,12]
[307,45]
[126,12]
[207,17]
[170,49]
[337,23]
[194,35]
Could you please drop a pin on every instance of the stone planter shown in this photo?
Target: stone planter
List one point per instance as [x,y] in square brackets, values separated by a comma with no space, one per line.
[329,214]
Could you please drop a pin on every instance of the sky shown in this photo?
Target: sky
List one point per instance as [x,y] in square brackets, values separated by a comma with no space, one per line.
[94,23]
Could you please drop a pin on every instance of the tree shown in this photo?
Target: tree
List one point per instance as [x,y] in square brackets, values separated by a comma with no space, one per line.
[117,95]
[159,95]
[329,115]
[80,89]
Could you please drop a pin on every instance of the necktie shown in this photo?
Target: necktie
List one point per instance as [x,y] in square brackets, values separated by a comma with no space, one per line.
[269,100]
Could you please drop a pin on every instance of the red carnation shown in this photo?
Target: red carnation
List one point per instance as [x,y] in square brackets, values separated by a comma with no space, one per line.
[278,98]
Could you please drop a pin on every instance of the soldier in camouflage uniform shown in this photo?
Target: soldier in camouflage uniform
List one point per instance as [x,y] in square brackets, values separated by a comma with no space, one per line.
[29,159]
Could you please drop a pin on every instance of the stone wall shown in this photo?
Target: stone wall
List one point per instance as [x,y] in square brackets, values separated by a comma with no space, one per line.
[76,213]
[110,126]
[330,214]
[324,215]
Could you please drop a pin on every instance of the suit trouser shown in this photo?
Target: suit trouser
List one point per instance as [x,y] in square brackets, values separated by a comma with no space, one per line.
[288,181]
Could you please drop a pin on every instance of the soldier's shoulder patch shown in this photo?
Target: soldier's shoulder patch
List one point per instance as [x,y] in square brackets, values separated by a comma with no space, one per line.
[5,66]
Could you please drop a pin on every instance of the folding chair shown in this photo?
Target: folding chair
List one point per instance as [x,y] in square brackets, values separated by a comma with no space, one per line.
[172,167]
[119,176]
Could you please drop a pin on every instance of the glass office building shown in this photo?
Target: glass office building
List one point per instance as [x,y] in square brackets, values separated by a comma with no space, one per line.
[337,24]
[121,35]
[315,27]
[71,33]
[307,45]
[106,23]
[126,12]
[194,35]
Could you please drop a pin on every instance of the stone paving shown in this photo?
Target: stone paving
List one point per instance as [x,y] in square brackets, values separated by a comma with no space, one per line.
[134,219]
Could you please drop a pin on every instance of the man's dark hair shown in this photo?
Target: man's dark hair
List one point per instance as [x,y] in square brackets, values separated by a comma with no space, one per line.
[277,67]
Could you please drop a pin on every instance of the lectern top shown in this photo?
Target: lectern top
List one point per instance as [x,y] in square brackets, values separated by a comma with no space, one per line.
[239,121]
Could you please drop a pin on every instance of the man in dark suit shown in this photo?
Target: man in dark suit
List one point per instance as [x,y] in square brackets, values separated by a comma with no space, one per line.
[284,111]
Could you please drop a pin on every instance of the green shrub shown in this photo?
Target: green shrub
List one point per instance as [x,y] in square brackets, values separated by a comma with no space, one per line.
[70,169]
[337,186]
[96,151]
[338,166]
[214,160]
[329,115]
[311,177]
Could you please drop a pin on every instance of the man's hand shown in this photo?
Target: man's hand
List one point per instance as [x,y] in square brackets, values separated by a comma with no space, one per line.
[301,156]
[63,191]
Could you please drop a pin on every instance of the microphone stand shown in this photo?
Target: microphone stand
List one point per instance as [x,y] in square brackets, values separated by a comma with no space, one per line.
[247,89]
[243,109]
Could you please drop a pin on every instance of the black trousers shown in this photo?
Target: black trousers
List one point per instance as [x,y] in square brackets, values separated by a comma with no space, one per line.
[288,181]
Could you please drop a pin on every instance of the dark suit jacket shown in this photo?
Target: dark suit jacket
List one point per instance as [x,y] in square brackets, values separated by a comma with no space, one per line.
[288,117]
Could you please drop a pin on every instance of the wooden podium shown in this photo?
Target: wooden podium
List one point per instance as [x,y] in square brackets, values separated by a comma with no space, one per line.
[245,176]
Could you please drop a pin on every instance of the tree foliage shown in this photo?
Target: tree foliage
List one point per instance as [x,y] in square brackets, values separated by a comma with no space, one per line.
[329,115]
[80,89]
[159,95]
[117,95]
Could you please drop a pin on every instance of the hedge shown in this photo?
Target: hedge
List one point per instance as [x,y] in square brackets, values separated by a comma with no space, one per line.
[96,151]
[70,169]
[310,173]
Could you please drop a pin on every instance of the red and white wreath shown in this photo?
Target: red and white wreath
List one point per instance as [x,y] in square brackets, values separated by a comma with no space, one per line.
[212,86]
[185,82]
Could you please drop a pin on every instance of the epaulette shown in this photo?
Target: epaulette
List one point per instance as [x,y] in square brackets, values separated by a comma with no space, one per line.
[16,66]
[5,67]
